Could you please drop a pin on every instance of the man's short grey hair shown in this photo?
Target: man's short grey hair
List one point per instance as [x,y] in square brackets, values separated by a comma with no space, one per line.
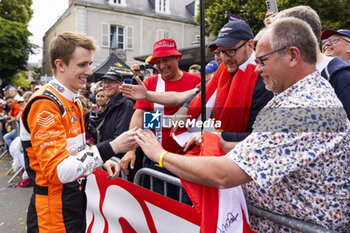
[294,32]
[305,13]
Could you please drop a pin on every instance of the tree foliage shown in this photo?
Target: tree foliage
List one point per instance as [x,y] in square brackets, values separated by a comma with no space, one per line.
[37,73]
[14,50]
[334,14]
[22,81]
[16,10]
[14,37]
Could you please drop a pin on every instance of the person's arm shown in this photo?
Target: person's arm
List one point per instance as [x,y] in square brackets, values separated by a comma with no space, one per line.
[188,101]
[169,98]
[123,115]
[130,156]
[10,119]
[215,171]
[48,140]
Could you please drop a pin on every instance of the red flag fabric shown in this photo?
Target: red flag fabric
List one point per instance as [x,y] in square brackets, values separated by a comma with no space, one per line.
[223,210]
[209,201]
[233,96]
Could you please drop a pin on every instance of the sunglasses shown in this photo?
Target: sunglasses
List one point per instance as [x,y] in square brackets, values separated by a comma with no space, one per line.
[259,60]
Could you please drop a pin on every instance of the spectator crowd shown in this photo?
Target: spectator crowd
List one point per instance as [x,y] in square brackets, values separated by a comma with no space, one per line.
[283,107]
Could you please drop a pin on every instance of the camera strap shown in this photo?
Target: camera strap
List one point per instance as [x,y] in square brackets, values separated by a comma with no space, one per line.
[98,131]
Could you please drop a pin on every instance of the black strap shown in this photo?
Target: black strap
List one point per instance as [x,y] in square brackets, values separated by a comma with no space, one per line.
[46,95]
[42,190]
[52,96]
[99,135]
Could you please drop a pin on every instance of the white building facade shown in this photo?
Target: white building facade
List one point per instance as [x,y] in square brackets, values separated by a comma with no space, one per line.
[128,28]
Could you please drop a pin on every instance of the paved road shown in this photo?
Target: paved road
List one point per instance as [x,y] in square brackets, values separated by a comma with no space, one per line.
[13,201]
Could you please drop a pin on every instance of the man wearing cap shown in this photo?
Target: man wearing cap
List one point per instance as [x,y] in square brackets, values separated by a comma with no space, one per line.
[6,90]
[292,164]
[170,78]
[119,109]
[334,69]
[336,43]
[210,69]
[239,91]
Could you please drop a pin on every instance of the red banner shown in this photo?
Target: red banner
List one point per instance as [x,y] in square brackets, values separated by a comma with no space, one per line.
[120,206]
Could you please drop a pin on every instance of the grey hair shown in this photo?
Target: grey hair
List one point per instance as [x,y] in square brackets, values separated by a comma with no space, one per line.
[305,13]
[260,34]
[294,32]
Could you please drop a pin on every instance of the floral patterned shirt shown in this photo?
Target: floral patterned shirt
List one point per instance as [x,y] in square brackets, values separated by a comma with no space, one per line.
[299,156]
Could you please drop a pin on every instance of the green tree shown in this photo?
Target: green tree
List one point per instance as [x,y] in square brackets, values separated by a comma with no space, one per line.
[14,50]
[14,37]
[16,10]
[21,80]
[37,73]
[334,14]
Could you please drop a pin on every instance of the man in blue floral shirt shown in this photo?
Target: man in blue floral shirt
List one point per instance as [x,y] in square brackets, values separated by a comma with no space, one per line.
[298,154]
[296,161]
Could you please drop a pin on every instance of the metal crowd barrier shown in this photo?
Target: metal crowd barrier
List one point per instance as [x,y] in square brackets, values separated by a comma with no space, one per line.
[15,126]
[279,220]
[153,174]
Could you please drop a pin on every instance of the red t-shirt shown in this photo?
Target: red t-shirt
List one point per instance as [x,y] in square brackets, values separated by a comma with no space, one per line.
[187,82]
[15,109]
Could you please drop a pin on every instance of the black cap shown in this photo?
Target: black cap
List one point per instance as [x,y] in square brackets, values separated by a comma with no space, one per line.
[113,76]
[232,33]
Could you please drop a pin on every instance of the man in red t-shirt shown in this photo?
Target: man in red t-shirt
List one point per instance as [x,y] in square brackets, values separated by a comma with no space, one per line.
[10,118]
[14,109]
[171,78]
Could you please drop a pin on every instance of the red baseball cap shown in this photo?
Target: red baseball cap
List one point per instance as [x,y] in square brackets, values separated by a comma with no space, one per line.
[164,48]
[327,33]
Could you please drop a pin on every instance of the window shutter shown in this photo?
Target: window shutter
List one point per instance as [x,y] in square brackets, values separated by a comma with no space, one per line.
[166,34]
[129,37]
[105,35]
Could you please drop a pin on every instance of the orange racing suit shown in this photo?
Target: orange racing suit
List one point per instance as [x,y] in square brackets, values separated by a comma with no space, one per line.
[56,158]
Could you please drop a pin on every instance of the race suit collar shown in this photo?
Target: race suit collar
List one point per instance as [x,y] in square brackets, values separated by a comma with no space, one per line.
[63,91]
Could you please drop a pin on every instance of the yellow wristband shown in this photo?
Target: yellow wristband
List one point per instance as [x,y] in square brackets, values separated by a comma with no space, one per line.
[219,131]
[161,157]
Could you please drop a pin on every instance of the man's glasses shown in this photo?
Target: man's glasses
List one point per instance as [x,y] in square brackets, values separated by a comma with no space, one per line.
[259,60]
[230,52]
[333,40]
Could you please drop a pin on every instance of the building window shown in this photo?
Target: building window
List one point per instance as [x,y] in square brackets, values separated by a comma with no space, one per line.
[162,34]
[162,6]
[117,2]
[117,37]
